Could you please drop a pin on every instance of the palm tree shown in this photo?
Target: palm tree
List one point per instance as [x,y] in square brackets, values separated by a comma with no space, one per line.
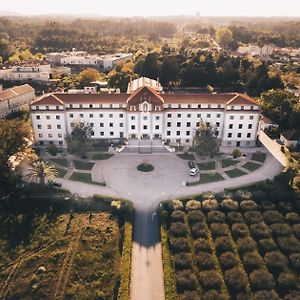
[43,171]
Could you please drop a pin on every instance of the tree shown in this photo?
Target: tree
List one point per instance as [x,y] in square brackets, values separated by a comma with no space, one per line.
[119,80]
[52,149]
[89,75]
[169,70]
[151,68]
[224,37]
[43,172]
[205,141]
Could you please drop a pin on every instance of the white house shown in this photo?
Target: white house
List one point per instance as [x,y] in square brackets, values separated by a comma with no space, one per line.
[147,114]
[15,98]
[290,138]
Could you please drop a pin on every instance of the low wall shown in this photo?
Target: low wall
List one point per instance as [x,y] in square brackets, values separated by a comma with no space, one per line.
[273,147]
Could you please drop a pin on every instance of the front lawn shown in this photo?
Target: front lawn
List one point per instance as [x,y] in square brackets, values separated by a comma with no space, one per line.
[83,165]
[186,156]
[210,177]
[211,165]
[61,172]
[84,177]
[251,166]
[60,161]
[235,173]
[259,156]
[101,156]
[228,162]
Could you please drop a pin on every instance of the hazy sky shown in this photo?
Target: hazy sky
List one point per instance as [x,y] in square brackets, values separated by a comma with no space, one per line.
[155,7]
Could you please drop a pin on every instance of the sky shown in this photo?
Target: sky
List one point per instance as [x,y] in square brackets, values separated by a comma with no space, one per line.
[128,8]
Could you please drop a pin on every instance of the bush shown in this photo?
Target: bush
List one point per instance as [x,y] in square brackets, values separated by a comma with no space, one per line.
[195,216]
[235,217]
[175,205]
[219,229]
[259,196]
[228,260]
[52,149]
[296,230]
[243,296]
[223,244]
[204,261]
[285,207]
[239,230]
[273,216]
[268,205]
[178,229]
[260,230]
[266,295]
[214,295]
[246,244]
[253,217]
[292,218]
[215,216]
[186,280]
[193,205]
[180,245]
[210,280]
[295,260]
[236,153]
[287,280]
[275,261]
[210,204]
[252,261]
[183,261]
[236,279]
[247,205]
[289,245]
[202,245]
[279,229]
[199,230]
[229,205]
[261,280]
[292,295]
[177,216]
[267,245]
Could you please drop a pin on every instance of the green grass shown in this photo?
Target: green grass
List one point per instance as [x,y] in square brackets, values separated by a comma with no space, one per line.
[251,166]
[186,156]
[259,156]
[84,177]
[60,161]
[61,172]
[235,173]
[207,177]
[144,167]
[83,165]
[227,162]
[101,156]
[211,165]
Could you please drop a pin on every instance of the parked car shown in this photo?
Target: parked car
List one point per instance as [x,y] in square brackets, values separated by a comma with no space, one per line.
[192,164]
[194,171]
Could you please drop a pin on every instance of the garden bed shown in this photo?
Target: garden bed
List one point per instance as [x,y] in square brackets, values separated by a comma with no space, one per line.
[83,165]
[186,156]
[211,165]
[235,173]
[101,156]
[228,162]
[60,161]
[259,156]
[251,166]
[84,177]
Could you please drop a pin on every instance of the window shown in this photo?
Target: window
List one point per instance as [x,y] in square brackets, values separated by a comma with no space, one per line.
[249,126]
[50,135]
[177,132]
[101,124]
[110,105]
[199,116]
[110,115]
[187,140]
[199,105]
[38,117]
[58,126]
[232,107]
[72,125]
[219,105]
[92,133]
[251,117]
[132,127]
[145,118]
[60,142]
[251,107]
[102,133]
[111,124]
[100,115]
[57,107]
[156,118]
[216,133]
[188,124]
[80,106]
[179,105]
[169,105]
[100,105]
[242,107]
[92,124]
[231,117]
[37,107]
[121,124]
[71,115]
[218,116]
[208,106]
[178,124]
[49,126]
[188,133]
[189,115]
[169,124]
[198,124]
[178,115]
[249,135]
[169,115]
[239,135]
[47,107]
[132,118]
[121,115]
[240,126]
[48,117]
[208,115]
[81,115]
[120,105]
[59,135]
[189,105]
[40,135]
[168,132]
[156,126]
[145,127]
[229,134]
[91,115]
[91,105]
[71,105]
[111,133]
[217,124]
[241,117]
[57,117]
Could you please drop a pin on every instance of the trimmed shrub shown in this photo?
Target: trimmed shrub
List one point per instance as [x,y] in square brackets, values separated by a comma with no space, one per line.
[202,245]
[260,230]
[177,216]
[186,280]
[229,205]
[235,217]
[252,261]
[292,295]
[189,295]
[259,196]
[273,216]
[295,260]
[242,296]
[223,244]
[236,279]
[246,244]
[288,245]
[204,261]
[253,217]
[195,216]
[285,207]
[236,153]
[219,229]
[214,295]
[193,205]
[296,230]
[267,245]
[211,204]
[287,280]
[275,261]
[178,229]
[215,216]
[292,218]
[180,245]
[261,280]
[199,230]
[239,230]
[175,205]
[279,229]
[228,260]
[248,205]
[268,205]
[183,261]
[266,295]
[52,149]
[210,280]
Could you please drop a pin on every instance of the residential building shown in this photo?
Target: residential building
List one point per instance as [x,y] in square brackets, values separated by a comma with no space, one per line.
[290,138]
[15,98]
[147,114]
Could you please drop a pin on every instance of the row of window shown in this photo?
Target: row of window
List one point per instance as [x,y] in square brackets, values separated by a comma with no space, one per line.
[239,135]
[58,126]
[50,135]
[240,126]
[190,115]
[251,117]
[57,117]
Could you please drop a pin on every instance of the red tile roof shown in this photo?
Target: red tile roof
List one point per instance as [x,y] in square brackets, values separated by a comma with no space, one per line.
[16,91]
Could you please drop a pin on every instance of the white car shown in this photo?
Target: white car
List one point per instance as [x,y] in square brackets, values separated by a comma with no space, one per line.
[194,171]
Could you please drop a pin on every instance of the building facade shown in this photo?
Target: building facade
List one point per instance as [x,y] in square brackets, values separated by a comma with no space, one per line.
[147,114]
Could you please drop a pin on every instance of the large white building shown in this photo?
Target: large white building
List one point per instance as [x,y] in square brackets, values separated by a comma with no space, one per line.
[147,114]
[15,98]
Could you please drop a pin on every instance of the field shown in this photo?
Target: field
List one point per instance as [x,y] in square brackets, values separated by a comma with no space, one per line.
[64,255]
[219,248]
